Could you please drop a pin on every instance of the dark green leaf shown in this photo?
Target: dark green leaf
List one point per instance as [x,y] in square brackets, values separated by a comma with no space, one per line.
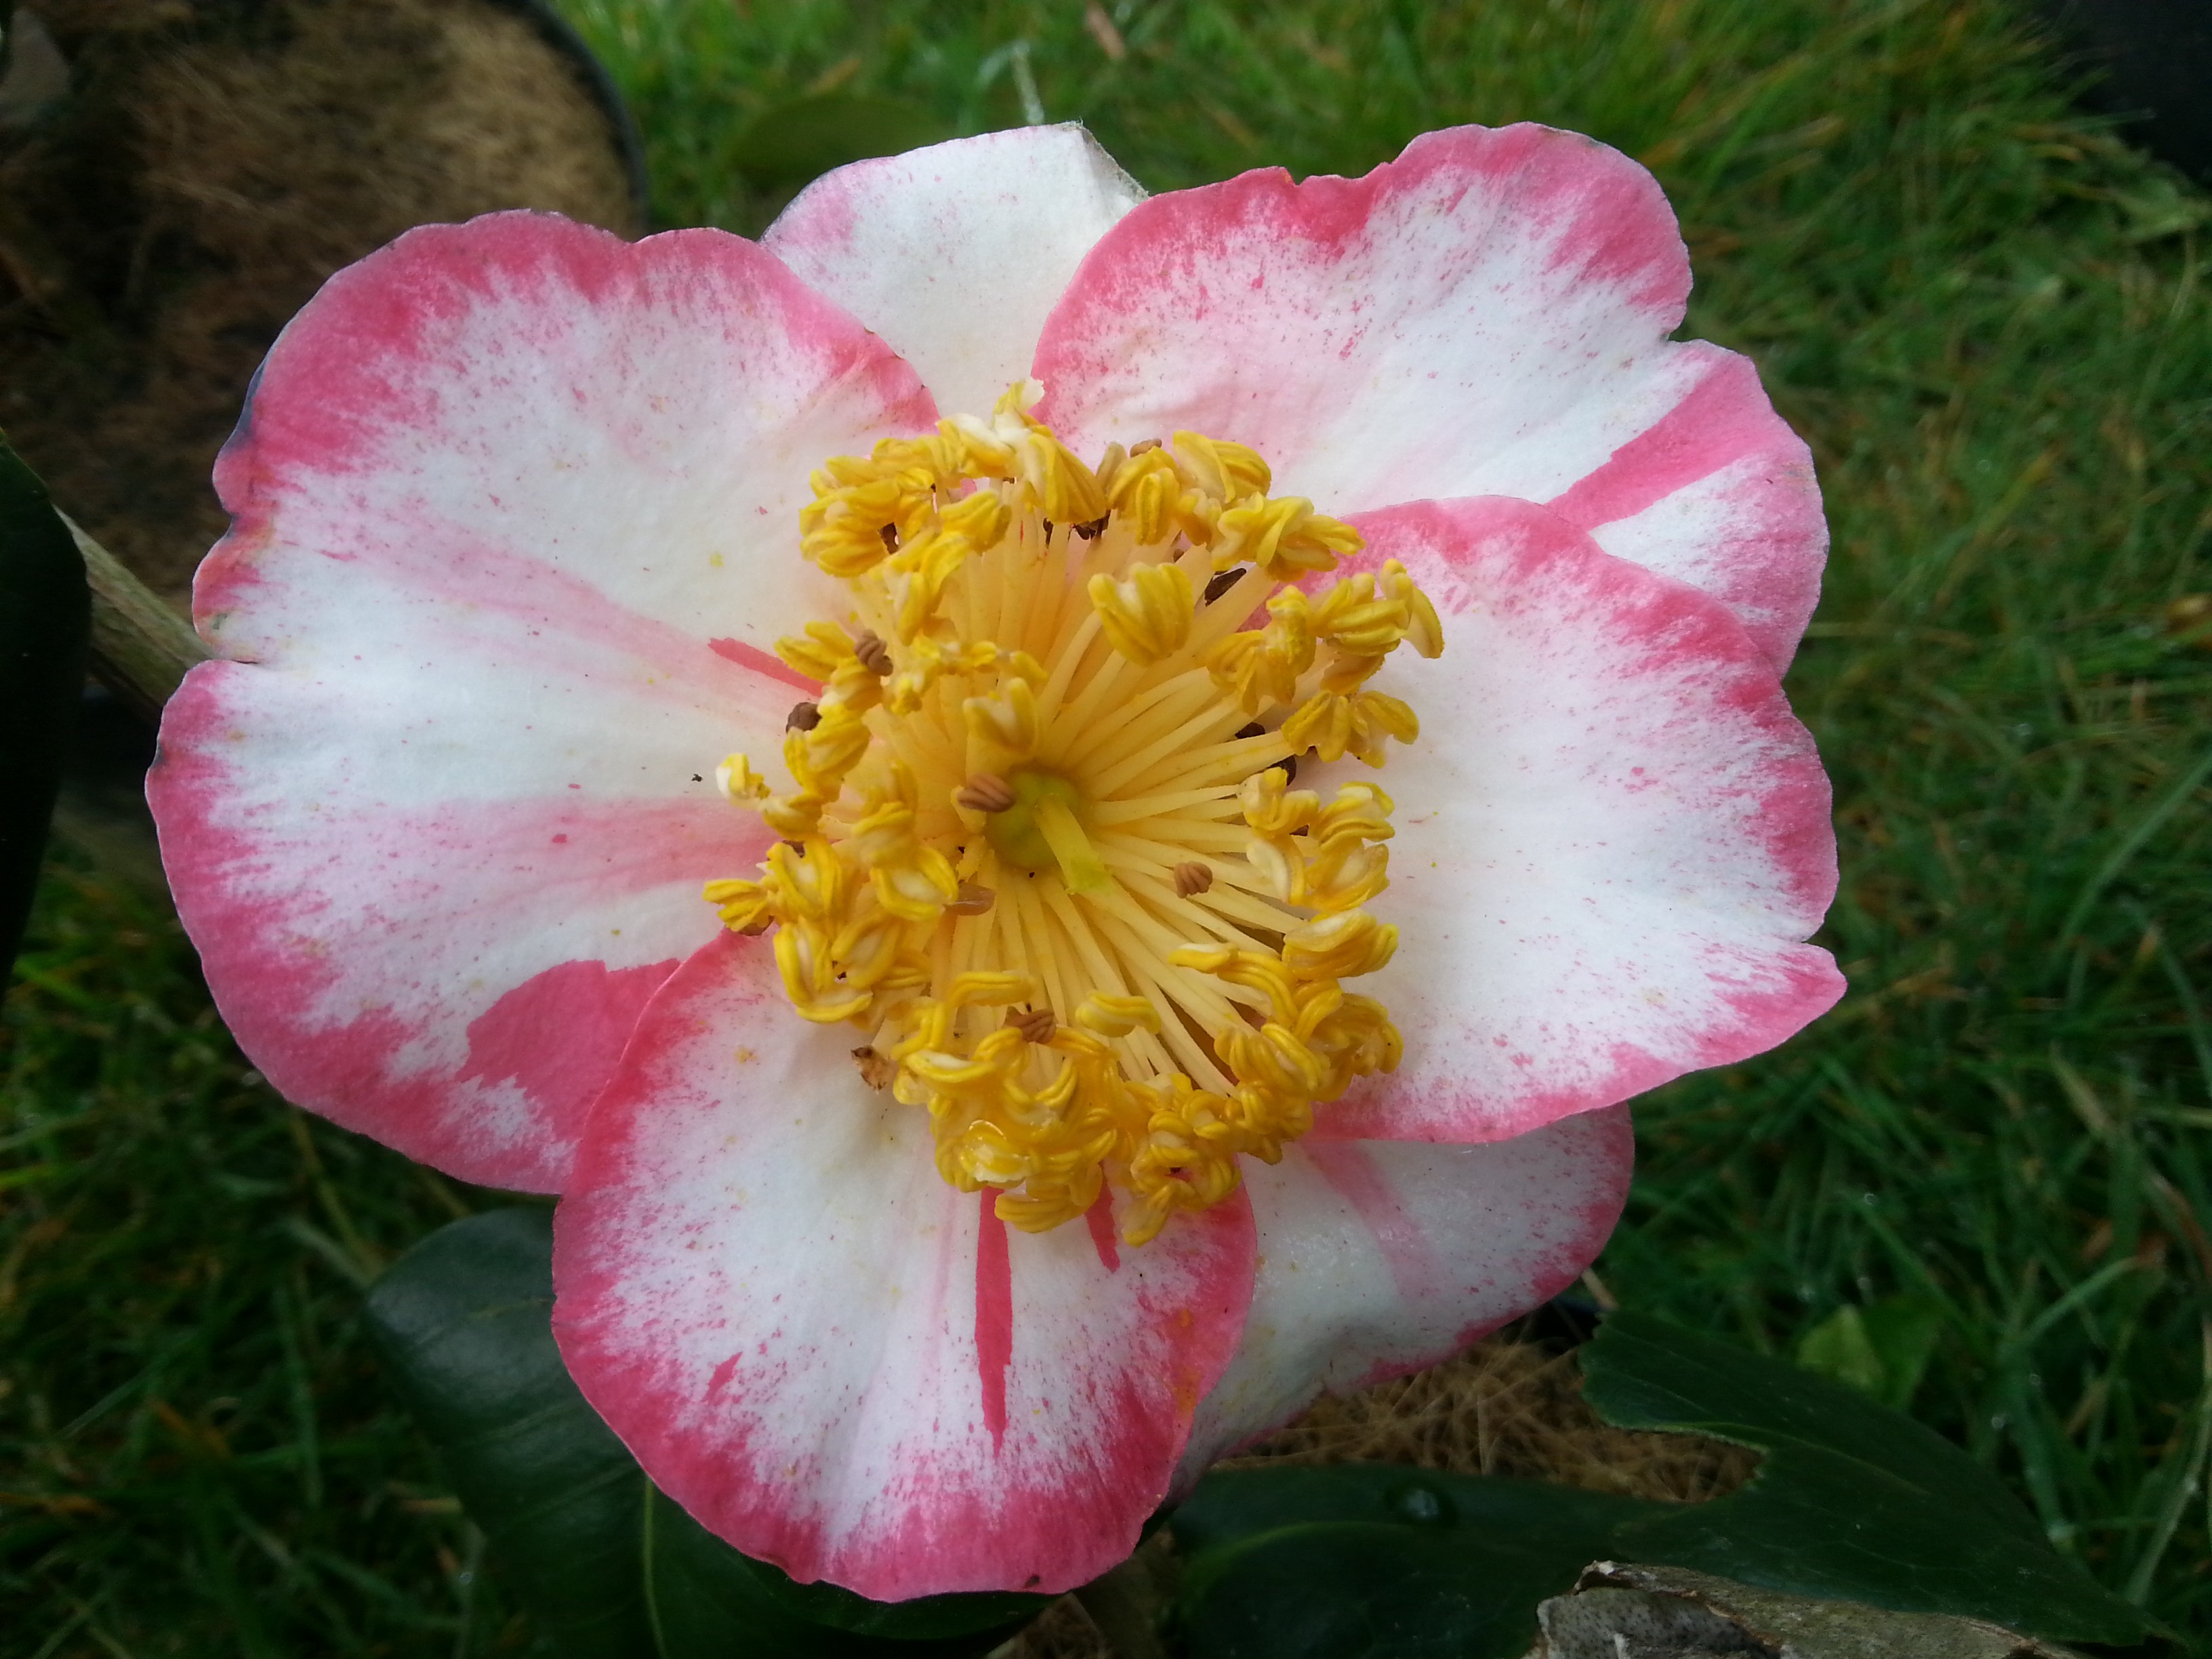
[607,1565]
[1368,1559]
[1852,1500]
[45,612]
[798,142]
[466,1320]
[709,1601]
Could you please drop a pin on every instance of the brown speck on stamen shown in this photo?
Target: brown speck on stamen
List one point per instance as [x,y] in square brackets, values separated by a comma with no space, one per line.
[1255,730]
[1048,530]
[875,656]
[1091,531]
[971,901]
[1290,765]
[985,792]
[802,717]
[755,929]
[1191,878]
[1036,1024]
[1142,445]
[890,538]
[1223,581]
[877,1070]
[798,847]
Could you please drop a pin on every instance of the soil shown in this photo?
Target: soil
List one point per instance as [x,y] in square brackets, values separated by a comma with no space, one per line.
[213,162]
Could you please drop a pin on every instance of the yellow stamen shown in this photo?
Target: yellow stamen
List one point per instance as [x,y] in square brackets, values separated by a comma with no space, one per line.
[1035,845]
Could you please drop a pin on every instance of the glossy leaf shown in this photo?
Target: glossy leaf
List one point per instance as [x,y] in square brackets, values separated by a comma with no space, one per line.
[607,1565]
[1852,1500]
[1362,1560]
[45,612]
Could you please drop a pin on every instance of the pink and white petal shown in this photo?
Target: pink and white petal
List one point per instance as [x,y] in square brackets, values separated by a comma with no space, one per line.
[1614,836]
[956,253]
[1486,315]
[1716,491]
[507,502]
[1380,1257]
[523,414]
[836,1362]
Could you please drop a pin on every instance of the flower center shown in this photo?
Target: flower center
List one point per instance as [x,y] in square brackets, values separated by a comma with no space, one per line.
[1042,845]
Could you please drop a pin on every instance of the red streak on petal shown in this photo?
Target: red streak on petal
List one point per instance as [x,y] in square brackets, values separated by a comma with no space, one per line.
[761,662]
[994,1315]
[1099,1218]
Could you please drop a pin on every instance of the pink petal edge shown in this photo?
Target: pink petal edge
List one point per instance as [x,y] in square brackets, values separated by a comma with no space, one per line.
[1614,836]
[439,825]
[836,1362]
[1485,315]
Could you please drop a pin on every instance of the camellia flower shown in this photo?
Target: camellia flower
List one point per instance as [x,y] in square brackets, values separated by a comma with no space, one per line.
[1222,736]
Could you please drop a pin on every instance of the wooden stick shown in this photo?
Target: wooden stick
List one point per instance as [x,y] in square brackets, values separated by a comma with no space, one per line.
[141,648]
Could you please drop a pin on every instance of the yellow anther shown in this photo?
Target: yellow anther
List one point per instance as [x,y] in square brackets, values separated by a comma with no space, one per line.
[794,816]
[1273,807]
[965,769]
[1333,724]
[1147,616]
[1002,730]
[810,979]
[1149,495]
[736,778]
[744,906]
[1350,617]
[843,531]
[820,758]
[1262,666]
[928,660]
[1114,1015]
[1286,537]
[1013,446]
[1343,945]
[982,517]
[825,648]
[1343,871]
[1259,970]
[1363,807]
[1274,1056]
[1424,632]
[911,881]
[1226,472]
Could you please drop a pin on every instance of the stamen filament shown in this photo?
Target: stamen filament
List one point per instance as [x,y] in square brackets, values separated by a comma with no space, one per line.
[1030,856]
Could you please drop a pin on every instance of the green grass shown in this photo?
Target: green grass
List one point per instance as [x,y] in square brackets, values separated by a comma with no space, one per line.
[1988,320]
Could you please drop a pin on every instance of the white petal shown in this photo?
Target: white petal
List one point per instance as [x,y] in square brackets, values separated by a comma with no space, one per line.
[956,253]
